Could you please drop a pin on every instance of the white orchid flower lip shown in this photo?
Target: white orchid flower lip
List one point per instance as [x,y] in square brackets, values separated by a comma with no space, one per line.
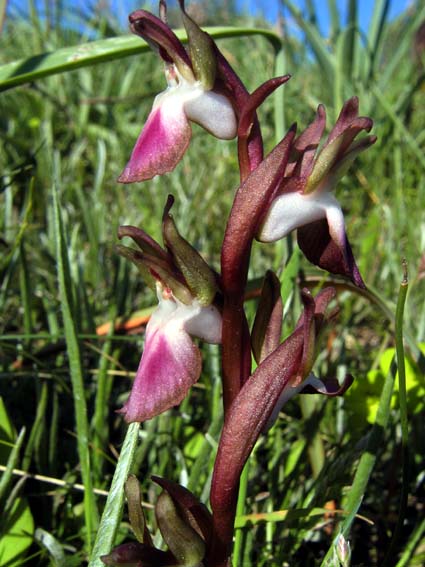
[167,132]
[293,210]
[171,362]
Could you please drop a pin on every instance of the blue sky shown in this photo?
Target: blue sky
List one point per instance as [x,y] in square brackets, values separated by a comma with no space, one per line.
[268,8]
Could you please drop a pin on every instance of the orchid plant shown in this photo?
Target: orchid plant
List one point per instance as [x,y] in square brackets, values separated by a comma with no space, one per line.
[292,188]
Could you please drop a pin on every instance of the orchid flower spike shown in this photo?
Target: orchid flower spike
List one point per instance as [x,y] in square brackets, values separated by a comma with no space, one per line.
[186,290]
[193,94]
[305,200]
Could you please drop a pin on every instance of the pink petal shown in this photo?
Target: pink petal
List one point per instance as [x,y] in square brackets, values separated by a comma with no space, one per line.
[162,143]
[170,365]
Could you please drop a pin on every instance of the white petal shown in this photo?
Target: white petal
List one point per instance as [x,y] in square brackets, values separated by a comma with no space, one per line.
[213,112]
[335,218]
[293,210]
[205,325]
[210,110]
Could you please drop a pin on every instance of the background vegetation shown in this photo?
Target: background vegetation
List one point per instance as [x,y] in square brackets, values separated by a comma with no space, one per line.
[64,140]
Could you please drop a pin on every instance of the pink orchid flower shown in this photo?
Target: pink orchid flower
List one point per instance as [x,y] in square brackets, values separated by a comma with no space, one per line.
[171,362]
[305,200]
[192,95]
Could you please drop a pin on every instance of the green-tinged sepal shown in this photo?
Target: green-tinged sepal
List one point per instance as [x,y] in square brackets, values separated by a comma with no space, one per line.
[267,328]
[137,259]
[145,242]
[201,49]
[184,542]
[135,510]
[198,275]
[169,281]
[154,269]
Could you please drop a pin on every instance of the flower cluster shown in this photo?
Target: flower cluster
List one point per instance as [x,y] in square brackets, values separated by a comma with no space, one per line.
[292,188]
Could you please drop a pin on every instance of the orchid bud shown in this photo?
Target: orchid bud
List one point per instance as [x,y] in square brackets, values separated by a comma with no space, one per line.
[267,328]
[343,551]
[184,542]
[135,554]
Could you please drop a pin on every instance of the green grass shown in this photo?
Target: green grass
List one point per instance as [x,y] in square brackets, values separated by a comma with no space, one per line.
[64,139]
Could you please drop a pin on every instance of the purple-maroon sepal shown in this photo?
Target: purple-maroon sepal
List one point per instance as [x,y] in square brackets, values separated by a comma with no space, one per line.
[305,201]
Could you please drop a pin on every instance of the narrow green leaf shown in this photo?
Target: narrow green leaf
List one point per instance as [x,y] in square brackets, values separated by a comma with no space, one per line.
[36,427]
[317,41]
[75,57]
[99,425]
[400,126]
[375,34]
[73,348]
[401,51]
[414,540]
[388,560]
[374,444]
[240,510]
[11,464]
[4,260]
[334,19]
[115,502]
[351,34]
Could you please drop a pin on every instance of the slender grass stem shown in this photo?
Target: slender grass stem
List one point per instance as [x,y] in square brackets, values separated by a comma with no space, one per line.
[389,558]
[63,269]
[374,443]
[112,513]
[240,511]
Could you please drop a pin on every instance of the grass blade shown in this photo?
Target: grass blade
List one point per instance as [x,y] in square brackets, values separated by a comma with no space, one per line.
[317,42]
[11,464]
[73,349]
[75,57]
[373,445]
[334,19]
[400,126]
[374,36]
[115,502]
[403,418]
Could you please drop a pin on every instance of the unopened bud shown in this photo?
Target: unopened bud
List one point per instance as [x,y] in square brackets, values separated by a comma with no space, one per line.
[184,543]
